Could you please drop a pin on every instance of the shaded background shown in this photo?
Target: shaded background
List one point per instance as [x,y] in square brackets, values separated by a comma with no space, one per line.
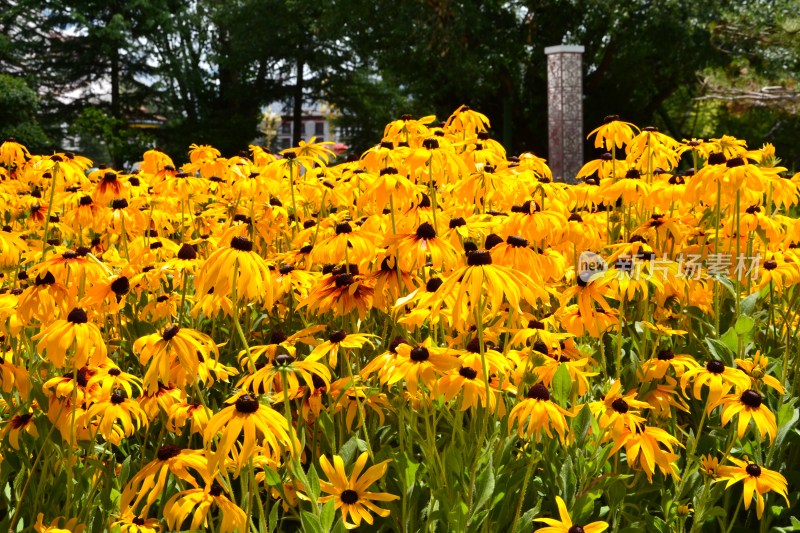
[113,78]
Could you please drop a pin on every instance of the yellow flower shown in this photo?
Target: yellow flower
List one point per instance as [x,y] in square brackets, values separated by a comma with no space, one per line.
[757,370]
[116,407]
[757,481]
[197,504]
[175,344]
[256,421]
[537,413]
[351,494]
[719,379]
[148,483]
[565,525]
[749,405]
[614,133]
[236,261]
[76,333]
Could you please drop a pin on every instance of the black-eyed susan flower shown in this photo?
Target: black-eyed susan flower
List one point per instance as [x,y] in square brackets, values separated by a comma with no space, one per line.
[148,483]
[339,340]
[17,425]
[537,414]
[180,414]
[757,482]
[565,525]
[613,134]
[74,334]
[117,407]
[259,424]
[253,281]
[749,405]
[619,410]
[351,494]
[656,367]
[174,344]
[719,379]
[128,522]
[423,363]
[197,503]
[641,443]
[756,368]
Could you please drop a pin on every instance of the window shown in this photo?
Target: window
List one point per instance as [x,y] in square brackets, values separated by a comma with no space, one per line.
[319,129]
[286,128]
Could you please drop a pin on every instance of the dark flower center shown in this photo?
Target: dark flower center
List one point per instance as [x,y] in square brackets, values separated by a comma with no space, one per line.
[468,372]
[620,406]
[665,355]
[753,470]
[771,264]
[633,174]
[717,158]
[492,240]
[430,144]
[117,398]
[344,280]
[344,227]
[535,324]
[539,392]
[349,496]
[479,258]
[119,203]
[715,367]
[242,244]
[77,316]
[283,359]
[121,286]
[420,354]
[433,284]
[48,279]
[735,162]
[167,452]
[86,200]
[752,210]
[457,222]
[246,404]
[397,341]
[575,217]
[426,231]
[187,252]
[337,336]
[215,490]
[391,171]
[517,241]
[138,521]
[170,332]
[575,529]
[114,372]
[751,399]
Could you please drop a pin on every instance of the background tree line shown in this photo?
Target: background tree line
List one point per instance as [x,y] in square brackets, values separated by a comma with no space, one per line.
[101,71]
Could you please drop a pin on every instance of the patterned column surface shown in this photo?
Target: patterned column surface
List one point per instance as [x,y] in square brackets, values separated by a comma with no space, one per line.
[565,110]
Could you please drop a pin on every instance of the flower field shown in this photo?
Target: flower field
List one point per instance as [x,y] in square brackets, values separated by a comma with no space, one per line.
[433,336]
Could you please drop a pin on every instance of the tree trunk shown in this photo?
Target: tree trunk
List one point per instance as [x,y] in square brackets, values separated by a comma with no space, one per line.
[297,115]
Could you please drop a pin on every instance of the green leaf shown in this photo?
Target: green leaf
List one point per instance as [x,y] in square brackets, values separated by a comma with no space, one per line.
[273,517]
[581,425]
[272,477]
[310,522]
[485,486]
[744,325]
[567,478]
[313,483]
[562,384]
[748,305]
[328,515]
[721,350]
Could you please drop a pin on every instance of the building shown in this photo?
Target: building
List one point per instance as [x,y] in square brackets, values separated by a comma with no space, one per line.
[317,122]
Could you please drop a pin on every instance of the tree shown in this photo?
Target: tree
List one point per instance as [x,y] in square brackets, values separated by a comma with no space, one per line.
[18,106]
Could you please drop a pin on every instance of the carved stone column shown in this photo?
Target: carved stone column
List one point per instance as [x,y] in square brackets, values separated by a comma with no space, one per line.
[565,110]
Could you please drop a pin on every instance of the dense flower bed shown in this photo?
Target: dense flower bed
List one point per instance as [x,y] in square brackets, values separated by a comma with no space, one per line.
[435,336]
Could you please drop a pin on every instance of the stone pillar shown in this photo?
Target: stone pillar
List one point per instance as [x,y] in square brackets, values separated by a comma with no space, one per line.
[565,110]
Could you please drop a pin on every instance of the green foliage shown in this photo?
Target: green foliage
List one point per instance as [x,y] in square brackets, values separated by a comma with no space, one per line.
[18,106]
